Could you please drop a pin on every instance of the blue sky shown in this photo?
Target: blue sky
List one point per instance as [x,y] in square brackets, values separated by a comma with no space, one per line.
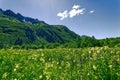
[99,18]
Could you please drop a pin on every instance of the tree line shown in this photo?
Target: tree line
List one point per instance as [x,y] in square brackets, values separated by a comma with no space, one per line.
[80,42]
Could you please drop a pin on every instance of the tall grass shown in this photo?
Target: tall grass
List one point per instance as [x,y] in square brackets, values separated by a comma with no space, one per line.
[60,64]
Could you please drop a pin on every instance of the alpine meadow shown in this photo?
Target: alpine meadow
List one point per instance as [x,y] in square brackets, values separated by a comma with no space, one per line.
[68,40]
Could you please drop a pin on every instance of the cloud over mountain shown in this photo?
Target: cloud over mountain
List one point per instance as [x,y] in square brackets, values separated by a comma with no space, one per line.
[75,11]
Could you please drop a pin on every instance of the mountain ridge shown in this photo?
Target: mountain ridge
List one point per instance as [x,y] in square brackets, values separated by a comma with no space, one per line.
[26,32]
[20,17]
[16,29]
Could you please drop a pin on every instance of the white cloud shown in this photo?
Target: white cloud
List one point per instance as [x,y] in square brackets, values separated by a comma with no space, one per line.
[92,11]
[76,6]
[75,11]
[63,15]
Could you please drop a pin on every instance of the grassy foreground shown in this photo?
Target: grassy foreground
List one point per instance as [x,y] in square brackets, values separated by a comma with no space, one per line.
[60,64]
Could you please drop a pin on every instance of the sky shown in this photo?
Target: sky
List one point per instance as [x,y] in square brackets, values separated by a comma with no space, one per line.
[99,18]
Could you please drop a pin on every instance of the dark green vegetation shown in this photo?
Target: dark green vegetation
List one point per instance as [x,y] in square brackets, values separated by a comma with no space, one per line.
[18,31]
[98,63]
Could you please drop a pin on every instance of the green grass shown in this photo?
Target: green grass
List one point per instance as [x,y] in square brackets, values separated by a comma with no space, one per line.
[60,64]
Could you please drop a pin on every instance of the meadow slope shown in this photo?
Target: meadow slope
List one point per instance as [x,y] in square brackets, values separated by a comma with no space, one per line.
[99,63]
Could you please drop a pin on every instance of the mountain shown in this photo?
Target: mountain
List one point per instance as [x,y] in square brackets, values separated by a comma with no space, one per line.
[16,29]
[19,17]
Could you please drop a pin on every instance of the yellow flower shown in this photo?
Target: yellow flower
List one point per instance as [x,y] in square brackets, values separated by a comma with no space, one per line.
[42,60]
[88,74]
[94,67]
[40,76]
[110,66]
[42,54]
[67,64]
[94,56]
[90,52]
[17,65]
[4,75]
[15,69]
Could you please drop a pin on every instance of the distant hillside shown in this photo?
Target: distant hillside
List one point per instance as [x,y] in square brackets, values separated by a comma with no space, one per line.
[16,29]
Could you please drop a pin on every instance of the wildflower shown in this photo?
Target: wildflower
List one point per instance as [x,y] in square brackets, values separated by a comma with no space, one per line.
[15,79]
[49,59]
[4,75]
[40,76]
[15,69]
[90,52]
[95,77]
[60,67]
[118,59]
[94,56]
[67,64]
[42,60]
[47,77]
[94,67]
[57,63]
[112,52]
[42,54]
[88,74]
[73,60]
[98,51]
[110,66]
[106,47]
[17,65]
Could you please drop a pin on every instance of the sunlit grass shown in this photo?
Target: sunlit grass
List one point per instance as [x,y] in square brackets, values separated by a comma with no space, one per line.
[60,64]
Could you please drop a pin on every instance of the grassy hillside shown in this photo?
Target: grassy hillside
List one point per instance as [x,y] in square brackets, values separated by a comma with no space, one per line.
[15,32]
[19,31]
[99,63]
